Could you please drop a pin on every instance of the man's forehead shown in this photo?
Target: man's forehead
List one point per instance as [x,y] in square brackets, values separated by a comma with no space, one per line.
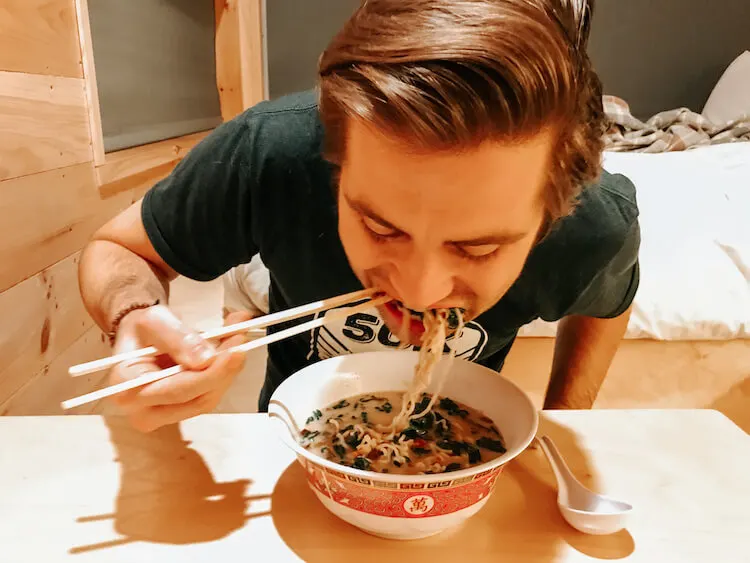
[490,184]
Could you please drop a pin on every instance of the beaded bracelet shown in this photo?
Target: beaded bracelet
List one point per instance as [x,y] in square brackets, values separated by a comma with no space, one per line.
[112,334]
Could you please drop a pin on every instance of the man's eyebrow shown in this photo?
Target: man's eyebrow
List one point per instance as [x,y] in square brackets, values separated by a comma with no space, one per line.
[362,208]
[498,239]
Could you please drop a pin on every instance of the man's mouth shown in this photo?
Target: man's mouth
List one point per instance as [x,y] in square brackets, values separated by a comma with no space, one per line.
[398,312]
[416,325]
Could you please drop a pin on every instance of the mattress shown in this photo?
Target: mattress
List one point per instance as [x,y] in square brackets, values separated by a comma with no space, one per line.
[695,243]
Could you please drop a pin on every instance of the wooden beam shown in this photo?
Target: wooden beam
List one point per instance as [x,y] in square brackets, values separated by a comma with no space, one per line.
[49,216]
[251,52]
[228,59]
[140,167]
[89,77]
[39,37]
[44,123]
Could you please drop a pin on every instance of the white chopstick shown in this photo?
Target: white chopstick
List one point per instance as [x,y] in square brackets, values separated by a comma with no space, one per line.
[286,333]
[259,322]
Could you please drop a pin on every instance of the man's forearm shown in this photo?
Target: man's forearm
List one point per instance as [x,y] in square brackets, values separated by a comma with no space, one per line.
[111,277]
[584,349]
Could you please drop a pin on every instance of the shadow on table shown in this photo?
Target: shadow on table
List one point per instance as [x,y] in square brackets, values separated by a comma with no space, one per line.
[520,522]
[733,404]
[167,492]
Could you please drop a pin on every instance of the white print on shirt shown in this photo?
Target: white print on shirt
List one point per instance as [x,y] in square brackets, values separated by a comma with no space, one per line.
[366,332]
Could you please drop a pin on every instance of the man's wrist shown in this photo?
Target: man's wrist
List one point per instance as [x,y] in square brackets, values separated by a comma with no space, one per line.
[562,405]
[563,402]
[125,311]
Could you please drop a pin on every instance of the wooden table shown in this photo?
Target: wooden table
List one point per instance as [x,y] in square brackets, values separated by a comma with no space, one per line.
[221,488]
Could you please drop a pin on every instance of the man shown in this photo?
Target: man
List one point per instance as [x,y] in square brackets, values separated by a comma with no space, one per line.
[443,158]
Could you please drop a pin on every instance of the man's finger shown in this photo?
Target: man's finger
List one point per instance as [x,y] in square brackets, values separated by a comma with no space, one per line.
[232,341]
[160,327]
[189,385]
[235,339]
[151,418]
[237,317]
[127,370]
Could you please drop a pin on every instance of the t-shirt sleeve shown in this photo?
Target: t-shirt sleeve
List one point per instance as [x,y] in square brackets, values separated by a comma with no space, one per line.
[613,289]
[199,217]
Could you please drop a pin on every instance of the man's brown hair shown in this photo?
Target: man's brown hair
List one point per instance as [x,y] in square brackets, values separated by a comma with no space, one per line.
[450,74]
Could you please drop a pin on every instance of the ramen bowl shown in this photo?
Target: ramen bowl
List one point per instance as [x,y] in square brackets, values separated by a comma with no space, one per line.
[392,505]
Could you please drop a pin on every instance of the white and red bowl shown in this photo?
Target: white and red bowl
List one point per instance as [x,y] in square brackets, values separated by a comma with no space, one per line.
[401,506]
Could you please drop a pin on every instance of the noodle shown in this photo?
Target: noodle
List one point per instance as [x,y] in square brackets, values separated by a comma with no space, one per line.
[428,434]
[433,344]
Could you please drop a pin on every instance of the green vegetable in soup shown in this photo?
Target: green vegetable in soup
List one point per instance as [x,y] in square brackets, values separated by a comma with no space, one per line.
[386,407]
[456,448]
[412,433]
[361,463]
[452,319]
[452,408]
[371,398]
[425,422]
[353,440]
[475,455]
[315,416]
[422,404]
[490,444]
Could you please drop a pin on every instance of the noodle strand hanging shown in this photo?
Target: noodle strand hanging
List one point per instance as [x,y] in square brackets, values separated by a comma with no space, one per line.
[427,434]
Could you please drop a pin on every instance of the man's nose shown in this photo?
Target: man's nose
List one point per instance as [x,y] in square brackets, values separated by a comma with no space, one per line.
[422,281]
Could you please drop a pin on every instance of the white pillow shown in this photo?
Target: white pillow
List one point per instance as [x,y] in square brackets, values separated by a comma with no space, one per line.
[730,98]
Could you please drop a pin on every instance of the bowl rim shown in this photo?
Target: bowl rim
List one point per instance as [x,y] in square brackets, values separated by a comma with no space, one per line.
[286,435]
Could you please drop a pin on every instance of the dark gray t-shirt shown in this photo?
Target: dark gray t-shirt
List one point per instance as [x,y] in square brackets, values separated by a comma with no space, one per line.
[259,184]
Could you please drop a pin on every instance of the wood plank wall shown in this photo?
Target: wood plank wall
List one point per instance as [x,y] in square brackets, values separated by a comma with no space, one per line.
[57,186]
[50,204]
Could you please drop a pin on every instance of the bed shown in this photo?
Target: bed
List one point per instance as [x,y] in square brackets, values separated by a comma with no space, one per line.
[695,248]
[688,340]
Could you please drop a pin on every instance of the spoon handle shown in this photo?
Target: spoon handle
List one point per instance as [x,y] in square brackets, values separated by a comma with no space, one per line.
[559,467]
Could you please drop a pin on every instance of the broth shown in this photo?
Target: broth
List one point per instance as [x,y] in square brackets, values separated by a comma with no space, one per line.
[359,432]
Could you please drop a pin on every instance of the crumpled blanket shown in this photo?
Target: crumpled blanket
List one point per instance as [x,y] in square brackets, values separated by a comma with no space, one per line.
[672,130]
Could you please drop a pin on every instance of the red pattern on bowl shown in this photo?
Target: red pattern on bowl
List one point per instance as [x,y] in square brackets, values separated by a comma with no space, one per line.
[400,500]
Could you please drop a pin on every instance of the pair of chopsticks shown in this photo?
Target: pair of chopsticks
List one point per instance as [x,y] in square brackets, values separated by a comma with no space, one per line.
[250,326]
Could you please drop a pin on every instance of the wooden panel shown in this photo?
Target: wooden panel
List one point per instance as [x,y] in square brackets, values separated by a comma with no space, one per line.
[251,52]
[44,123]
[140,167]
[47,217]
[43,316]
[44,390]
[89,76]
[39,37]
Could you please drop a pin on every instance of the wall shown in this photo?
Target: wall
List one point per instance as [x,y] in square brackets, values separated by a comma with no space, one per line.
[57,186]
[297,31]
[49,206]
[666,54]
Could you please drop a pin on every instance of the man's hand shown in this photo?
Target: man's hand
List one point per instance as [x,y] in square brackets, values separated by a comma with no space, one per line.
[209,371]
